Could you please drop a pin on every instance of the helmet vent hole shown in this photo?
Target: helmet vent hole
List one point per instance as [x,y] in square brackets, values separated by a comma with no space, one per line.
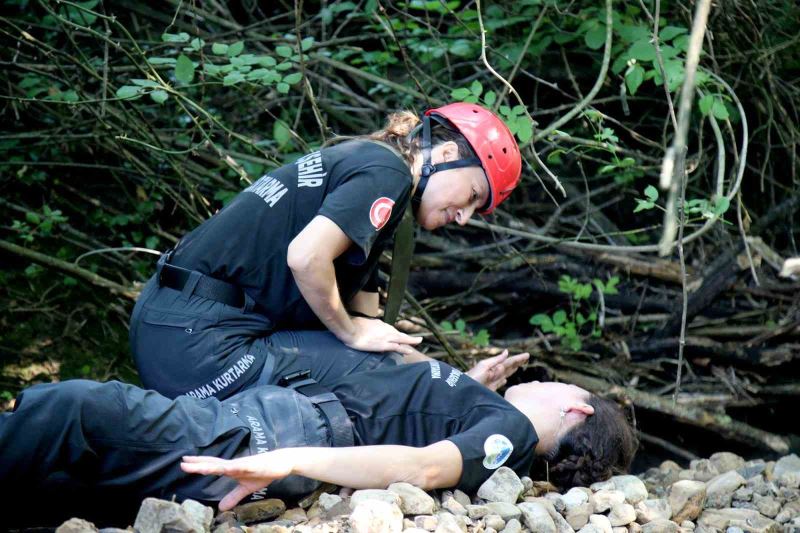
[490,156]
[505,150]
[474,110]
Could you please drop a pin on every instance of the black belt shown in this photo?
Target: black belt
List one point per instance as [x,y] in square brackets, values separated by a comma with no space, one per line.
[338,422]
[176,277]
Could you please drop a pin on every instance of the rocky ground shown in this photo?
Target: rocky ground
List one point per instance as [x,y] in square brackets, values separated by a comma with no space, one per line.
[722,493]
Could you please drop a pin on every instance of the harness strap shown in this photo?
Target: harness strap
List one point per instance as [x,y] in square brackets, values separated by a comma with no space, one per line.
[339,424]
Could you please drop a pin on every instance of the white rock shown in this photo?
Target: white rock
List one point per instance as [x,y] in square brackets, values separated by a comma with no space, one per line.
[605,499]
[512,526]
[477,511]
[507,511]
[562,526]
[632,487]
[449,524]
[452,505]
[622,514]
[719,491]
[363,495]
[376,516]
[536,517]
[461,498]
[785,465]
[589,528]
[495,522]
[686,499]
[426,522]
[413,500]
[503,486]
[660,526]
[726,461]
[653,509]
[601,522]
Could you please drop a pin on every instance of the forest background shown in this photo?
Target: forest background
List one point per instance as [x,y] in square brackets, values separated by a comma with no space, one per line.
[125,124]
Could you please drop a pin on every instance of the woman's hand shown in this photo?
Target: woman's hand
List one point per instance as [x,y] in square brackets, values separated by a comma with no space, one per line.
[372,335]
[253,473]
[495,371]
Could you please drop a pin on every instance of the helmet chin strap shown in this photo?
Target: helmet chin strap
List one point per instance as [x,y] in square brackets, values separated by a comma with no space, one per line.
[428,168]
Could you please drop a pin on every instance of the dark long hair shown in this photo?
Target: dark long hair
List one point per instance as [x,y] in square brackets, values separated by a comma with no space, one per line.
[600,447]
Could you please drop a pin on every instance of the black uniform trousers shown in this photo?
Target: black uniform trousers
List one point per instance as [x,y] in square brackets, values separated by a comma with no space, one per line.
[183,343]
[69,442]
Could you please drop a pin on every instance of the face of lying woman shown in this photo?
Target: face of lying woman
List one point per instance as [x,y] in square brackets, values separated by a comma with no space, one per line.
[451,195]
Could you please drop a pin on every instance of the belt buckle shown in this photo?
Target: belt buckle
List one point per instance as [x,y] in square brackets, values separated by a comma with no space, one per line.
[288,379]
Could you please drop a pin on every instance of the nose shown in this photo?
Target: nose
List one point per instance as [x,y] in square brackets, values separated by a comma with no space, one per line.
[464,214]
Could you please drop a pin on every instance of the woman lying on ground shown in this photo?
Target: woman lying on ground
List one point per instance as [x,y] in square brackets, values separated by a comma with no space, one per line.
[425,423]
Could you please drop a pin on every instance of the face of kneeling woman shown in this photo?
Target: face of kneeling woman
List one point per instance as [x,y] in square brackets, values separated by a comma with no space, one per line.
[553,409]
[450,195]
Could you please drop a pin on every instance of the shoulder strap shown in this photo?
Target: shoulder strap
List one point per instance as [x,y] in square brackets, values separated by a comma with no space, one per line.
[401,264]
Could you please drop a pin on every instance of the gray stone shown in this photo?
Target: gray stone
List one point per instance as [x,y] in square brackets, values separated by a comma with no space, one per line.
[373,515]
[722,518]
[114,530]
[686,499]
[562,526]
[660,526]
[201,515]
[462,498]
[653,509]
[752,468]
[687,524]
[76,525]
[156,515]
[743,494]
[786,465]
[512,526]
[622,514]
[632,487]
[328,506]
[789,512]
[507,511]
[620,529]
[536,517]
[634,528]
[413,500]
[719,491]
[270,527]
[733,529]
[477,511]
[605,499]
[452,505]
[259,511]
[557,501]
[704,470]
[363,495]
[726,461]
[790,480]
[415,530]
[527,483]
[602,485]
[589,528]
[426,522]
[767,505]
[503,486]
[449,524]
[601,522]
[495,522]
[225,517]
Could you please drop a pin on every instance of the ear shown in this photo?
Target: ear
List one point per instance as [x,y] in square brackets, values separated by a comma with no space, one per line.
[449,151]
[580,408]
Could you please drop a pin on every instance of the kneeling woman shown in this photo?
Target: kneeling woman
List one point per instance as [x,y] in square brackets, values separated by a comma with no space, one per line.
[424,423]
[243,295]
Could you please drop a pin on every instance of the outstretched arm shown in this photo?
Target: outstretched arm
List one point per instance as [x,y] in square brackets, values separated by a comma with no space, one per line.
[493,372]
[434,466]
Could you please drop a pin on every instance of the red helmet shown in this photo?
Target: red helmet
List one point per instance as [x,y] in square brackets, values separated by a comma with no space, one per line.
[492,142]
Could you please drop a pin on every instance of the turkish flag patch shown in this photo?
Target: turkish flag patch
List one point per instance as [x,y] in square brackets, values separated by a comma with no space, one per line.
[380,212]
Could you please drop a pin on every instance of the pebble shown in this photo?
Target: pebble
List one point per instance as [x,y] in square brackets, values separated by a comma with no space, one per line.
[686,499]
[413,500]
[376,516]
[363,495]
[426,522]
[507,511]
[536,518]
[512,526]
[156,515]
[449,523]
[259,511]
[660,526]
[632,487]
[503,486]
[452,505]
[653,509]
[622,514]
[726,461]
[76,525]
[462,498]
[719,490]
[786,465]
[477,511]
[495,522]
[752,468]
[602,523]
[605,499]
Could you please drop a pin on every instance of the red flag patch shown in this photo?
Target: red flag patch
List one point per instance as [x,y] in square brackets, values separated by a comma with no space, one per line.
[380,212]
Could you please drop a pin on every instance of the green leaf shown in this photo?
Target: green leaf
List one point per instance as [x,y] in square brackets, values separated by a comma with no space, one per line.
[611,285]
[460,94]
[447,326]
[161,60]
[282,88]
[476,88]
[670,32]
[267,61]
[651,193]
[219,49]
[643,205]
[184,69]
[719,110]
[233,78]
[306,44]
[159,96]
[69,96]
[580,319]
[490,98]
[634,78]
[461,326]
[631,33]
[524,130]
[293,78]
[705,103]
[559,317]
[128,91]
[235,49]
[281,133]
[461,48]
[286,65]
[642,50]
[481,338]
[196,44]
[595,38]
[721,205]
[145,83]
[181,37]
[33,218]
[284,51]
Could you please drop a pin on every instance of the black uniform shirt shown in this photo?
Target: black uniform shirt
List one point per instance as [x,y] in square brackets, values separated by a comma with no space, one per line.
[361,186]
[423,403]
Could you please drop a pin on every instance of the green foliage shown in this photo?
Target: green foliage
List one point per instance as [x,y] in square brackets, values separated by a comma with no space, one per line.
[38,224]
[649,202]
[581,319]
[459,328]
